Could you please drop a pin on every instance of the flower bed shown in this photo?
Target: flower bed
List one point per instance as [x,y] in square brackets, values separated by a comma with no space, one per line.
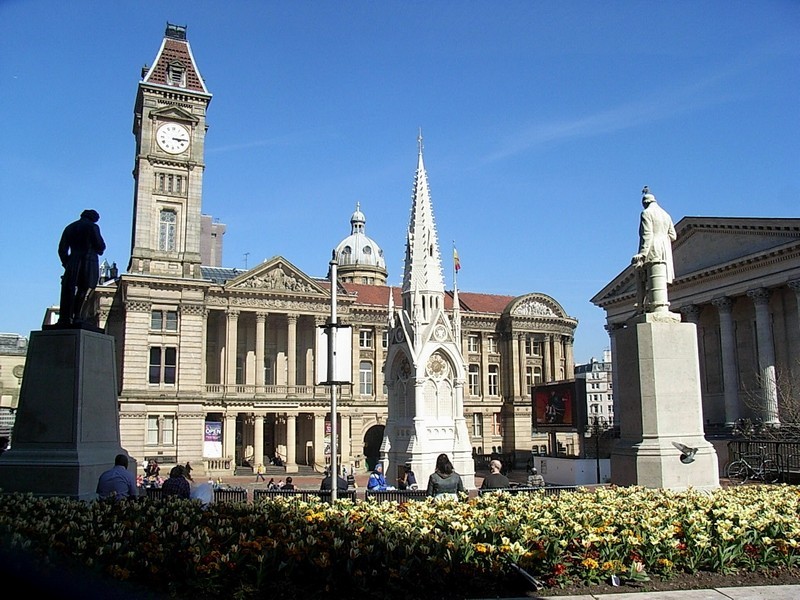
[491,545]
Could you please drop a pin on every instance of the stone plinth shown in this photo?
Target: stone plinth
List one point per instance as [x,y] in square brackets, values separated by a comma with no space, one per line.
[67,427]
[657,378]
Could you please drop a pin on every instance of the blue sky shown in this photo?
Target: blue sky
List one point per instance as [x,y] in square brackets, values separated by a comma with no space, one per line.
[541,122]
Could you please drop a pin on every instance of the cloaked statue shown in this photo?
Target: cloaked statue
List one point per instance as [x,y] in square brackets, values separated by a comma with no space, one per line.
[80,246]
[653,262]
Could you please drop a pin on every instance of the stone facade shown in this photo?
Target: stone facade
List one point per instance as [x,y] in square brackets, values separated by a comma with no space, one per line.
[13,349]
[738,281]
[208,352]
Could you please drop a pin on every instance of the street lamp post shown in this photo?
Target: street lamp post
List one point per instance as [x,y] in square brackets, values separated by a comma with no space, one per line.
[597,428]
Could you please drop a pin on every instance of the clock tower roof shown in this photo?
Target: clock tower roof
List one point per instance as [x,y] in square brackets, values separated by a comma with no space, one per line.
[174,65]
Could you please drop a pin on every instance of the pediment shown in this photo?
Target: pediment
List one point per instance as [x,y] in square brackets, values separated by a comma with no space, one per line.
[536,305]
[276,275]
[174,113]
[706,242]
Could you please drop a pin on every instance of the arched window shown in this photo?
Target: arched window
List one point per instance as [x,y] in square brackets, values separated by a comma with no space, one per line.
[166,230]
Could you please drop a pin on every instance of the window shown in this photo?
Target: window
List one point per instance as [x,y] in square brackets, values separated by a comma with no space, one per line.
[160,430]
[497,424]
[163,364]
[532,347]
[472,343]
[477,425]
[494,387]
[166,230]
[385,339]
[365,378]
[164,320]
[491,341]
[537,375]
[474,378]
[176,74]
[365,338]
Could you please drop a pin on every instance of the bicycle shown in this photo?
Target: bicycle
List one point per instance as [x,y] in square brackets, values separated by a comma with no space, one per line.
[741,470]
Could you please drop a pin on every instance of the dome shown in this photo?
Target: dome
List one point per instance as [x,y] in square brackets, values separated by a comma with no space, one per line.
[359,257]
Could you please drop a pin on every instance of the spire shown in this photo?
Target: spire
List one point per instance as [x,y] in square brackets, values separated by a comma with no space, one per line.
[423,282]
[174,65]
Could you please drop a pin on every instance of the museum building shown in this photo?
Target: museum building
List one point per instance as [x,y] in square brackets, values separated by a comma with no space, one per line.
[217,366]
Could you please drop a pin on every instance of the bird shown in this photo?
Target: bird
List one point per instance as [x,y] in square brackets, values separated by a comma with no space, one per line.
[687,453]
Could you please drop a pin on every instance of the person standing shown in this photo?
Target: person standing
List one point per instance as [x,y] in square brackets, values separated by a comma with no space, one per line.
[653,262]
[117,482]
[444,482]
[260,473]
[495,480]
[78,249]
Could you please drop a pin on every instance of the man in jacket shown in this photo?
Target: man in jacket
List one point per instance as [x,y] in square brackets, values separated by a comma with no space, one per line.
[79,248]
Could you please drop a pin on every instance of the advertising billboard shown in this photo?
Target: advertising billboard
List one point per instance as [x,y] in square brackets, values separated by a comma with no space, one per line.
[555,405]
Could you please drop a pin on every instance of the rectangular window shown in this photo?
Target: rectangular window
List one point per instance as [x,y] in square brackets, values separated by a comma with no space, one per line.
[365,378]
[491,342]
[494,384]
[477,425]
[160,430]
[164,320]
[365,338]
[163,364]
[497,424]
[472,343]
[167,224]
[385,340]
[474,381]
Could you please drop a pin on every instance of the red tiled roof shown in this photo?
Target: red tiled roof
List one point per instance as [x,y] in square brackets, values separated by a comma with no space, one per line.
[378,295]
[176,50]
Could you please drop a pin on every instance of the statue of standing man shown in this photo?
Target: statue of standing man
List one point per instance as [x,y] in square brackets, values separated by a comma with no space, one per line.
[80,246]
[654,260]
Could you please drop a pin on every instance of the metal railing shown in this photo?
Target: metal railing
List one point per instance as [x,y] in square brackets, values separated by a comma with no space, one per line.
[305,495]
[548,490]
[395,495]
[784,453]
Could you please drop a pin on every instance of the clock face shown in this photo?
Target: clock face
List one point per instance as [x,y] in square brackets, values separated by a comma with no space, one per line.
[172,138]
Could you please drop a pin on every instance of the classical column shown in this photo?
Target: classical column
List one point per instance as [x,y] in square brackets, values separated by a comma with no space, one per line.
[291,443]
[612,329]
[517,368]
[204,345]
[548,361]
[291,353]
[319,439]
[795,287]
[229,436]
[766,354]
[258,438]
[261,330]
[231,342]
[730,373]
[692,313]
[570,357]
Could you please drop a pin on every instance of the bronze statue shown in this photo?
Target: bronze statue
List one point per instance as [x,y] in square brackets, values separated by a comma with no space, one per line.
[654,259]
[79,248]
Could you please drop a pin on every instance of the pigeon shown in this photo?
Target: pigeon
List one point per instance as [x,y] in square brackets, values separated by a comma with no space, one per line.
[687,453]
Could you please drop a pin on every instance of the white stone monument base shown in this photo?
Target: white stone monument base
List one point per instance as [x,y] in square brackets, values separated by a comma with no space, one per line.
[657,378]
[67,426]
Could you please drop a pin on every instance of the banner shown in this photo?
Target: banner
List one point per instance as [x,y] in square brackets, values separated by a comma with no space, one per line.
[212,440]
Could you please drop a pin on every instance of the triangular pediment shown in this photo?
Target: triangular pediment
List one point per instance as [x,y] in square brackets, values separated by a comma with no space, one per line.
[276,275]
[707,242]
[174,113]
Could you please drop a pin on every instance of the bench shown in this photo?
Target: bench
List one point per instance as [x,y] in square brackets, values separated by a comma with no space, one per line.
[220,495]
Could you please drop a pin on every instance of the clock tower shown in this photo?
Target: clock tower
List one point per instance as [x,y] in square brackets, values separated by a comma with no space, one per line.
[170,128]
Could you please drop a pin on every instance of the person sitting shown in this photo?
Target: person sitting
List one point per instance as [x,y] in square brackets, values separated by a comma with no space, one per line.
[534,479]
[408,481]
[326,484]
[117,482]
[495,480]
[377,480]
[271,485]
[289,485]
[444,482]
[176,485]
[152,469]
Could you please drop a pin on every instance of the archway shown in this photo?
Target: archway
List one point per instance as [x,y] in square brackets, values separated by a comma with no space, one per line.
[372,445]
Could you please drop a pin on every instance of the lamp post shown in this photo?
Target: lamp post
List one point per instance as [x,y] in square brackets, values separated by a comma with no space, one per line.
[597,428]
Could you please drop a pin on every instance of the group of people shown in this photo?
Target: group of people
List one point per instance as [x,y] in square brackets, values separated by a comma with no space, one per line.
[280,484]
[118,482]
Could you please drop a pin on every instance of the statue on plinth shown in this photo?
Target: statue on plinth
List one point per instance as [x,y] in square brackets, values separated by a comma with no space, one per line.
[79,248]
[653,262]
